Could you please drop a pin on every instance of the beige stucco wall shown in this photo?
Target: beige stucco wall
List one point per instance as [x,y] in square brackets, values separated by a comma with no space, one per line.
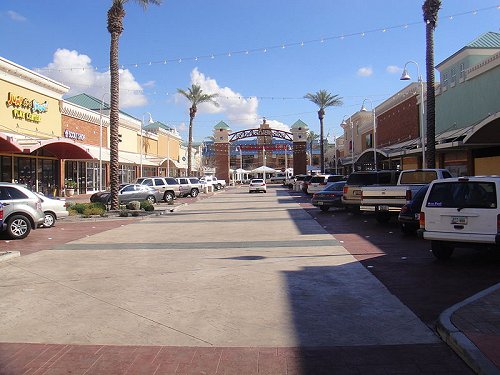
[168,145]
[487,166]
[47,125]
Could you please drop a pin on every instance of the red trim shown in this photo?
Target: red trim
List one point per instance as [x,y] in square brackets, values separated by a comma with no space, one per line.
[63,149]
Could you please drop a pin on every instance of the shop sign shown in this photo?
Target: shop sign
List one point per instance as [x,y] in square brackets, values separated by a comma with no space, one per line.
[25,108]
[74,135]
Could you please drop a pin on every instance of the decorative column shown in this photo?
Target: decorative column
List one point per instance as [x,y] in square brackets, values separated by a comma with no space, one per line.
[299,131]
[221,146]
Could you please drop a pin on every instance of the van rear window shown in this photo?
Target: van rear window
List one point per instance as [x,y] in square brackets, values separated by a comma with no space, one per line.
[471,194]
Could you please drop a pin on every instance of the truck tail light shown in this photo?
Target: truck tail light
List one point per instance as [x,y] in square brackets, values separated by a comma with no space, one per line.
[408,195]
[346,189]
[421,220]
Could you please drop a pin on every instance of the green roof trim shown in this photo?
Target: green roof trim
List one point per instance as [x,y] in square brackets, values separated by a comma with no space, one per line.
[486,40]
[157,125]
[222,125]
[92,103]
[299,124]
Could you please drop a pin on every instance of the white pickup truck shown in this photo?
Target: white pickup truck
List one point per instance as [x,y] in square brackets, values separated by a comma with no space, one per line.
[213,181]
[386,201]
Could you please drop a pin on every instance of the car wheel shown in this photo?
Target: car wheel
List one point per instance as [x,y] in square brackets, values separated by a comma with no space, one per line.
[168,197]
[151,199]
[441,250]
[383,218]
[18,227]
[49,220]
[324,208]
[219,186]
[194,192]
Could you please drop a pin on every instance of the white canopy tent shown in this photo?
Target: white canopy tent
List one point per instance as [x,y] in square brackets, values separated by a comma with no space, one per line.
[240,175]
[263,169]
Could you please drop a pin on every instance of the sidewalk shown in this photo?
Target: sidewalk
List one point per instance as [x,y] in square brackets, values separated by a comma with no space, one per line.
[472,329]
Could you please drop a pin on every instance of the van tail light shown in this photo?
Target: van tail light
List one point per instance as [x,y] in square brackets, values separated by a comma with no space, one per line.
[408,195]
[498,223]
[346,189]
[421,220]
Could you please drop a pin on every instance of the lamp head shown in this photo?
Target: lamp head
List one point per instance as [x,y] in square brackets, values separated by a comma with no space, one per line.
[363,108]
[405,76]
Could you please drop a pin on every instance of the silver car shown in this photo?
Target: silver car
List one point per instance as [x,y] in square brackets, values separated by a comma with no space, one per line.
[22,210]
[53,209]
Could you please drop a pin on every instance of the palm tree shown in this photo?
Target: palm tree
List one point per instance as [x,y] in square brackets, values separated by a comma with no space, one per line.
[311,138]
[323,99]
[115,27]
[196,96]
[431,9]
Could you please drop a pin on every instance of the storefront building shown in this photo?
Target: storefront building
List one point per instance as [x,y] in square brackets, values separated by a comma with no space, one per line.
[32,145]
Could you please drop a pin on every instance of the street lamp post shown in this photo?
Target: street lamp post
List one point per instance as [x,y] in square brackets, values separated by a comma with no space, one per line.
[406,77]
[335,152]
[352,138]
[363,109]
[100,140]
[142,126]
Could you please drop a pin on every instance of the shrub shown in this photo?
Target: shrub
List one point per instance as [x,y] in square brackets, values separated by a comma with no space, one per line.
[147,206]
[135,213]
[93,210]
[79,208]
[123,213]
[134,205]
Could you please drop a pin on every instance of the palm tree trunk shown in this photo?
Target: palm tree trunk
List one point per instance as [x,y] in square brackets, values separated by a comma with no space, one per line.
[190,141]
[431,99]
[115,28]
[321,146]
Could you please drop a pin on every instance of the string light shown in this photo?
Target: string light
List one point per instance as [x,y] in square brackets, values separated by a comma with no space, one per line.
[301,44]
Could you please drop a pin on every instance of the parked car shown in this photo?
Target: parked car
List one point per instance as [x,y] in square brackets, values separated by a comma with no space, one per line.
[190,186]
[22,210]
[53,209]
[256,185]
[167,186]
[461,212]
[409,215]
[129,193]
[356,180]
[331,196]
[213,181]
[319,182]
[386,201]
[297,182]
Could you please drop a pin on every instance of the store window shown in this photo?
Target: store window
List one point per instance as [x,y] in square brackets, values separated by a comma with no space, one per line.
[6,168]
[127,173]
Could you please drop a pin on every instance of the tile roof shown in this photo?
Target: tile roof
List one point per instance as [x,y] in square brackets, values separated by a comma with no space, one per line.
[299,124]
[222,125]
[92,103]
[486,40]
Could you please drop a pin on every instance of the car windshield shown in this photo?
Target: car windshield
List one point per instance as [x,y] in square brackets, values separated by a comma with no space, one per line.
[418,177]
[337,186]
[318,179]
[463,194]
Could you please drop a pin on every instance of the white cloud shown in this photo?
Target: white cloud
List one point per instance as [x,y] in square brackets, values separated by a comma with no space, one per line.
[76,71]
[394,69]
[240,111]
[149,84]
[182,127]
[365,71]
[14,16]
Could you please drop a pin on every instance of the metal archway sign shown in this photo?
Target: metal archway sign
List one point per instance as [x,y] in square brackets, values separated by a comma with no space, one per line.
[250,133]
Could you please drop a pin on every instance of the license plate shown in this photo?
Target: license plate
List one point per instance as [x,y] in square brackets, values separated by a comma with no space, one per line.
[320,203]
[383,208]
[459,220]
[356,192]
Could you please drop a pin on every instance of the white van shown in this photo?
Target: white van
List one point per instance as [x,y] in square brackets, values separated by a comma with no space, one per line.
[461,212]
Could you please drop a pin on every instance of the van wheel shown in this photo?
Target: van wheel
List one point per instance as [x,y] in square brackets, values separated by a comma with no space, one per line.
[194,192]
[383,218]
[18,227]
[440,250]
[168,197]
[324,208]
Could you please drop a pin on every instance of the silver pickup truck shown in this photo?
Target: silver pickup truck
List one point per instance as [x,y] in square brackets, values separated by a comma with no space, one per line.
[386,201]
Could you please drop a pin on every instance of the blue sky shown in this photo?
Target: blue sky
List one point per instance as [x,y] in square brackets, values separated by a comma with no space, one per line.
[68,41]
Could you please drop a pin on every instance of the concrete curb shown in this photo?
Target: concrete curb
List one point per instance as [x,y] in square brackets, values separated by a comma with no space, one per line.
[460,343]
[6,255]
